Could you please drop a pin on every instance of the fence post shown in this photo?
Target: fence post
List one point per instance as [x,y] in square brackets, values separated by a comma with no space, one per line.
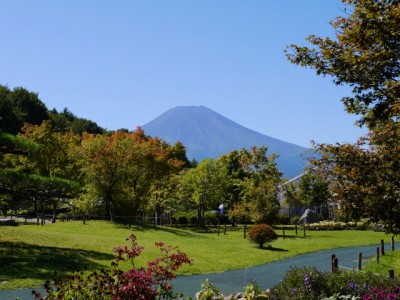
[333,256]
[391,273]
[377,255]
[335,265]
[218,229]
[224,229]
[359,260]
[382,247]
[283,230]
[295,227]
[244,230]
[392,242]
[304,228]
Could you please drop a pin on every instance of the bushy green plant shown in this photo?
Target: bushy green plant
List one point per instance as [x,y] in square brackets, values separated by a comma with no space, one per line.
[193,220]
[209,292]
[283,219]
[361,226]
[251,291]
[262,234]
[182,220]
[310,284]
[294,220]
[62,217]
[331,225]
[186,217]
[211,218]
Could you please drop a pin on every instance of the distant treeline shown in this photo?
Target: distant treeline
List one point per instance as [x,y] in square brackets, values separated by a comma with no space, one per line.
[20,106]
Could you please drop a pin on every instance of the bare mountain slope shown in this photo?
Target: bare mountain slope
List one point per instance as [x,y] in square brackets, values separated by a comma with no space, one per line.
[207,134]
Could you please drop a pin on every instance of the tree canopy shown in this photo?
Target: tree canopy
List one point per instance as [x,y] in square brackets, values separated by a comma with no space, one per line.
[365,55]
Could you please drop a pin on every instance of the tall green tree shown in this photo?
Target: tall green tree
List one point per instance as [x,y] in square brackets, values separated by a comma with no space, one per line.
[9,122]
[290,193]
[27,107]
[261,186]
[205,186]
[260,179]
[314,192]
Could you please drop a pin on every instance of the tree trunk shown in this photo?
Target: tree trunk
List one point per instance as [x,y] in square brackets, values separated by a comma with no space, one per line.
[200,216]
[108,207]
[54,213]
[41,211]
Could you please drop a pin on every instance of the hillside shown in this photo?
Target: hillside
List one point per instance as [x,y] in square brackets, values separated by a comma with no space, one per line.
[207,134]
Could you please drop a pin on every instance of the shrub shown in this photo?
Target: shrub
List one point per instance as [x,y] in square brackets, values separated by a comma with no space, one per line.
[182,220]
[8,222]
[193,220]
[283,219]
[309,283]
[62,217]
[211,218]
[150,283]
[262,234]
[331,225]
[209,292]
[294,220]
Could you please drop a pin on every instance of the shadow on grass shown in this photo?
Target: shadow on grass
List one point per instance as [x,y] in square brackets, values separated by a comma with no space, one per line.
[22,260]
[271,248]
[181,231]
[277,249]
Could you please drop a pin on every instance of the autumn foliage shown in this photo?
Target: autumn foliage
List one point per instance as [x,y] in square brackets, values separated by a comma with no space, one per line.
[262,234]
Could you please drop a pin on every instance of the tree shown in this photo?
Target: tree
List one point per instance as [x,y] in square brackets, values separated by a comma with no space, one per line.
[364,182]
[260,185]
[365,56]
[291,197]
[313,190]
[205,186]
[66,121]
[51,157]
[27,107]
[8,120]
[19,182]
[120,168]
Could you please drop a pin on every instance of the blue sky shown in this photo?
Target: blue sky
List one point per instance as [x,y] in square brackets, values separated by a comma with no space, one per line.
[123,63]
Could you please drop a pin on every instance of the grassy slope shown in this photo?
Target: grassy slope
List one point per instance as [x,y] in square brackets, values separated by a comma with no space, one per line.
[29,254]
[391,260]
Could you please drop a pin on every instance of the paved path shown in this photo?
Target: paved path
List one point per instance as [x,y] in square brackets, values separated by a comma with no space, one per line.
[269,275]
[266,275]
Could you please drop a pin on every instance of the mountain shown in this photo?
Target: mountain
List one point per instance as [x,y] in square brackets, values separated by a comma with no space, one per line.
[207,134]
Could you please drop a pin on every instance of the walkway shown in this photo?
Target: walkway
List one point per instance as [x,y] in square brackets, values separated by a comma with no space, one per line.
[266,276]
[269,275]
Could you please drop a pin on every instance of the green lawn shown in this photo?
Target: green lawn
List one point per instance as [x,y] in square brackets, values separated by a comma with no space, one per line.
[391,260]
[29,254]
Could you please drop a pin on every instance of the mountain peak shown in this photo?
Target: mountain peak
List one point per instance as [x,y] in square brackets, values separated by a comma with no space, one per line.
[208,134]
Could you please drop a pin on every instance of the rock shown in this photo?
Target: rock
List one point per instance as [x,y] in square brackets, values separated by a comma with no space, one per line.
[309,217]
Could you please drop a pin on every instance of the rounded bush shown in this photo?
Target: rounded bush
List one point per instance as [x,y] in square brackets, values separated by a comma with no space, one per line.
[262,234]
[294,220]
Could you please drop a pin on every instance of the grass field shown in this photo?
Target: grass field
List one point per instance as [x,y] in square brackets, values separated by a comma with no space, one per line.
[29,254]
[391,260]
